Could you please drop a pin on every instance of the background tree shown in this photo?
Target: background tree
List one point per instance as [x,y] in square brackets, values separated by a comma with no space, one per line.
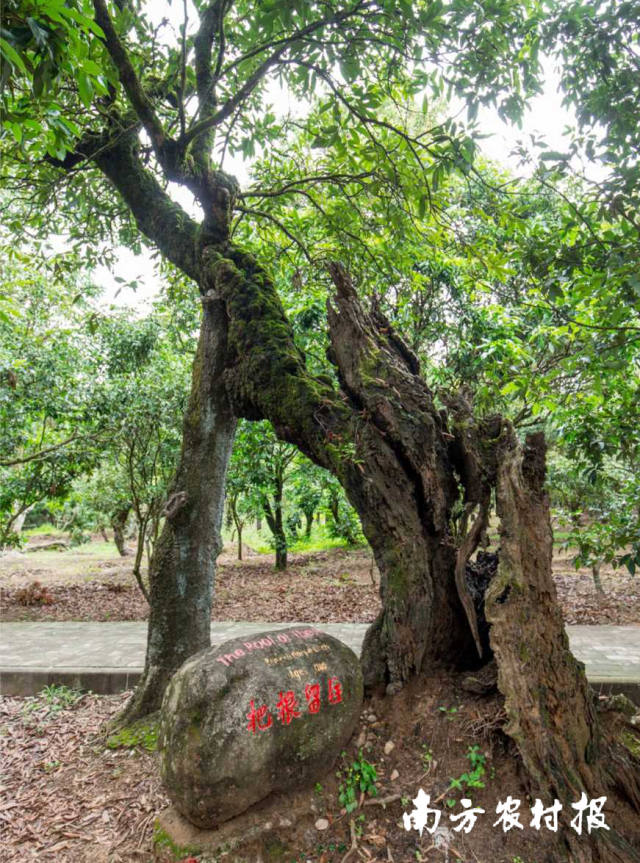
[48,435]
[260,468]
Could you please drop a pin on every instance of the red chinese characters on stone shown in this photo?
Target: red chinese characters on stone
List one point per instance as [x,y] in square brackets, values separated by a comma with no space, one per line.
[312,694]
[257,721]
[287,707]
[335,690]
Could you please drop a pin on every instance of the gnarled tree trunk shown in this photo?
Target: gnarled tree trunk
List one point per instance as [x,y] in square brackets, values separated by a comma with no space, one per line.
[404,463]
[551,710]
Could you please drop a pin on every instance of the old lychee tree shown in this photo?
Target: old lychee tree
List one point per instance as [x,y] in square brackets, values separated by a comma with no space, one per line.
[157,112]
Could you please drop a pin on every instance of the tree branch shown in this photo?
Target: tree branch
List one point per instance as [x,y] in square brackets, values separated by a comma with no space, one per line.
[159,218]
[262,215]
[129,79]
[254,79]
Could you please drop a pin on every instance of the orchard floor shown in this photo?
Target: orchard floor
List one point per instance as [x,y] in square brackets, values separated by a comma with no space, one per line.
[67,797]
[92,583]
[71,799]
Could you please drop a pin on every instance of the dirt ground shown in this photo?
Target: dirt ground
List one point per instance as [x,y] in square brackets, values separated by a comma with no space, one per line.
[70,799]
[67,797]
[339,585]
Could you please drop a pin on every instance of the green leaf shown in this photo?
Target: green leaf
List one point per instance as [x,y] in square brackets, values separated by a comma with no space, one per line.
[12,55]
[86,89]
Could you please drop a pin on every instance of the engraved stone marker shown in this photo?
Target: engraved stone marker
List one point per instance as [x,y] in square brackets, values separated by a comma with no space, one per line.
[254,716]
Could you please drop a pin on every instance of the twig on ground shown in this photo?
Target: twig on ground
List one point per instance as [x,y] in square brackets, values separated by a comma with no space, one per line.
[382,801]
[354,841]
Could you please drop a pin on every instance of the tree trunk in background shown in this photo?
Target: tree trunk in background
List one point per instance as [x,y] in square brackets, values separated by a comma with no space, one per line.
[273,516]
[118,523]
[184,561]
[309,524]
[237,521]
[141,526]
[595,572]
[19,521]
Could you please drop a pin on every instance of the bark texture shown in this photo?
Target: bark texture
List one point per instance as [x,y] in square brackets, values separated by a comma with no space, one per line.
[551,709]
[183,566]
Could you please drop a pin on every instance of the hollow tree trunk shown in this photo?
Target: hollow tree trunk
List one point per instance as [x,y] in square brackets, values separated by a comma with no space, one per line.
[385,441]
[551,710]
[183,566]
[119,523]
[403,464]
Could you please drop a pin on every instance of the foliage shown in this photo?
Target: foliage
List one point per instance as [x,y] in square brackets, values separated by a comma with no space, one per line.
[47,436]
[359,777]
[259,470]
[473,777]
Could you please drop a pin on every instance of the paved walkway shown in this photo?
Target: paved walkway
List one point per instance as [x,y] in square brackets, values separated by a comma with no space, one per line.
[108,657]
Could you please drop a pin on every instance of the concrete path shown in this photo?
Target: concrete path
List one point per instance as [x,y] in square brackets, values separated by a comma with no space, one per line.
[108,657]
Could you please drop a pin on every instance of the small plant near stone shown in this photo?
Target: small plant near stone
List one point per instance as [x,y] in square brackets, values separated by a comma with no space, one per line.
[427,757]
[60,697]
[38,710]
[360,777]
[34,594]
[473,777]
[449,712]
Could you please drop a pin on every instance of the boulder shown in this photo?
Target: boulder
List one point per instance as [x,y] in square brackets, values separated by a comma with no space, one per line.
[257,715]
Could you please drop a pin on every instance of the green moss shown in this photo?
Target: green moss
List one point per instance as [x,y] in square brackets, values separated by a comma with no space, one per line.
[631,742]
[276,849]
[143,733]
[524,652]
[194,734]
[162,840]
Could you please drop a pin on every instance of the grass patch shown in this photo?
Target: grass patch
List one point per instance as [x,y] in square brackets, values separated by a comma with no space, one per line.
[258,540]
[97,549]
[44,530]
[165,842]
